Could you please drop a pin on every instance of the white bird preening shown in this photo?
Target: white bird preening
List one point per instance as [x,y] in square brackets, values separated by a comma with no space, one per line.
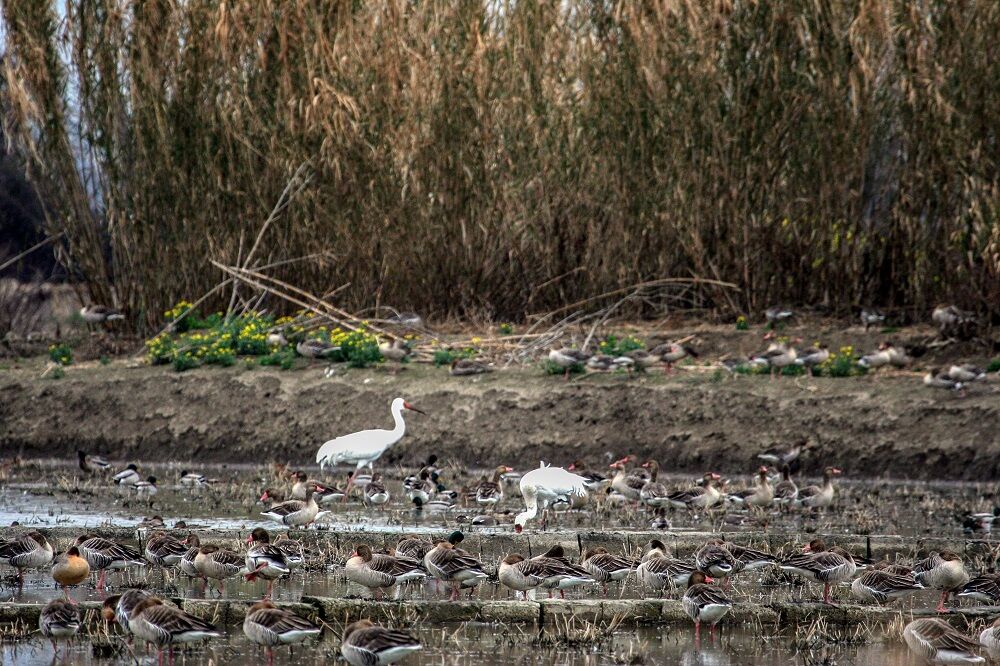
[365,447]
[543,487]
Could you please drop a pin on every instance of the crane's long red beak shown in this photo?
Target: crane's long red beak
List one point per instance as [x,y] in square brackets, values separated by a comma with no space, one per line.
[410,407]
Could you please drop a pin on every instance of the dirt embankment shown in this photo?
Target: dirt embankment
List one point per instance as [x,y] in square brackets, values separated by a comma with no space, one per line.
[693,421]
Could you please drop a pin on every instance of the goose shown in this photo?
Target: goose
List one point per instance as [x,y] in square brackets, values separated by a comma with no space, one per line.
[376,493]
[966,373]
[398,350]
[59,619]
[654,493]
[628,482]
[776,357]
[643,360]
[780,456]
[264,560]
[820,564]
[293,550]
[567,359]
[70,569]
[943,571]
[295,513]
[673,352]
[269,626]
[99,314]
[315,349]
[413,547]
[219,564]
[103,554]
[128,476]
[120,606]
[952,321]
[543,487]
[91,464]
[595,483]
[990,639]
[455,566]
[814,497]
[28,551]
[785,491]
[936,641]
[761,495]
[776,315]
[605,567]
[705,603]
[523,575]
[466,367]
[898,358]
[938,378]
[153,621]
[377,571]
[749,558]
[164,550]
[881,586]
[659,571]
[367,644]
[871,317]
[715,559]
[186,563]
[985,588]
[490,493]
[813,356]
[363,448]
[705,495]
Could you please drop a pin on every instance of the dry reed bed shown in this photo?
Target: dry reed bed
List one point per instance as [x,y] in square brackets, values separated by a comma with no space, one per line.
[501,159]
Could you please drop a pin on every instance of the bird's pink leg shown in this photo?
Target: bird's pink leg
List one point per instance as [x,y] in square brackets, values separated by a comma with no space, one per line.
[100,580]
[697,632]
[940,607]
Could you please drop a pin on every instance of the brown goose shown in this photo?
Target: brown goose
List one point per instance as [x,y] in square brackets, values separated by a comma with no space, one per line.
[164,550]
[881,586]
[551,573]
[628,482]
[367,644]
[28,551]
[454,565]
[812,497]
[985,588]
[605,567]
[659,571]
[785,491]
[820,564]
[701,497]
[103,554]
[761,495]
[715,559]
[218,564]
[413,547]
[120,606]
[943,571]
[269,626]
[654,493]
[70,569]
[705,603]
[937,642]
[155,622]
[377,571]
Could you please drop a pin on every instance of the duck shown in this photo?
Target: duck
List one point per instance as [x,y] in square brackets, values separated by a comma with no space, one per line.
[782,455]
[715,559]
[814,356]
[673,352]
[128,476]
[91,464]
[376,494]
[292,549]
[264,560]
[27,551]
[295,513]
[546,487]
[59,619]
[419,485]
[704,496]
[628,482]
[193,479]
[871,317]
[814,497]
[99,314]
[69,569]
[446,562]
[151,523]
[776,357]
[705,603]
[119,607]
[594,482]
[466,367]
[216,563]
[777,314]
[163,625]
[659,571]
[936,641]
[605,567]
[398,350]
[164,550]
[377,571]
[943,571]
[761,495]
[785,491]
[269,626]
[985,588]
[820,564]
[654,493]
[881,586]
[898,358]
[966,373]
[313,349]
[523,575]
[490,492]
[990,639]
[952,321]
[567,359]
[940,379]
[103,554]
[146,489]
[367,644]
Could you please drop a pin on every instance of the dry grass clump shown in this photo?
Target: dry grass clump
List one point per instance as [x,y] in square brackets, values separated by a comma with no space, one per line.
[499,159]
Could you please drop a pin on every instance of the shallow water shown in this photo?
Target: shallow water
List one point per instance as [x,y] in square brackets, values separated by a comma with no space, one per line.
[499,645]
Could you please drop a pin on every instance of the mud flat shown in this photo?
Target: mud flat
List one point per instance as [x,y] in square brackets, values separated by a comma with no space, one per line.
[696,419]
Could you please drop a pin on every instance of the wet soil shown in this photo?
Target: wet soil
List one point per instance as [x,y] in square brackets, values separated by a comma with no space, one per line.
[697,418]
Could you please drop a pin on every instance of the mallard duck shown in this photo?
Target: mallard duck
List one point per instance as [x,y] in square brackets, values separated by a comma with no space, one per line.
[128,476]
[937,642]
[705,603]
[27,551]
[193,479]
[812,497]
[59,619]
[940,379]
[146,489]
[295,513]
[376,494]
[70,569]
[465,367]
[605,567]
[377,571]
[567,358]
[265,560]
[91,464]
[269,626]
[776,315]
[163,625]
[785,491]
[490,492]
[820,564]
[761,495]
[549,573]
[954,322]
[218,564]
[103,554]
[98,314]
[985,588]
[871,317]
[455,566]
[881,586]
[367,644]
[943,571]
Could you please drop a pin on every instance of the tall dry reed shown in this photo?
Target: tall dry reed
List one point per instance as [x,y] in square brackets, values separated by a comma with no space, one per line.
[503,158]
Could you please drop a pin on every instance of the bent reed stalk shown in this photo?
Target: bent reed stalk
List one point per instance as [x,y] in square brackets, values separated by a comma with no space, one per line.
[495,159]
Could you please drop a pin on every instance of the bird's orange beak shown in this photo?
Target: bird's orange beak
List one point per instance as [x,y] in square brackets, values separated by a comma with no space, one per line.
[571,467]
[410,407]
[263,498]
[807,548]
[249,538]
[715,477]
[836,470]
[709,579]
[508,469]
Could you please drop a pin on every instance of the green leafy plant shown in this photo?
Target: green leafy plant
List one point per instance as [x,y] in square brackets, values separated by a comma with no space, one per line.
[56,373]
[615,346]
[447,356]
[61,354]
[506,329]
[104,360]
[283,358]
[742,324]
[994,365]
[553,368]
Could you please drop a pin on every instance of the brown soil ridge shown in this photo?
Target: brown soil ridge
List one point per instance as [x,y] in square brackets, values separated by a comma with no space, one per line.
[690,422]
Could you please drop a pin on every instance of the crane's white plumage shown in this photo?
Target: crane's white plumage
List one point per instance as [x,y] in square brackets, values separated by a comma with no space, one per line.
[546,486]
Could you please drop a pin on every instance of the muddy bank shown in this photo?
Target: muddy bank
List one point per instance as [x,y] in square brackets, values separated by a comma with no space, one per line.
[697,419]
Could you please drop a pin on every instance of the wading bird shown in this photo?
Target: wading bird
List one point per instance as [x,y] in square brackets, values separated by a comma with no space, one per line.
[545,486]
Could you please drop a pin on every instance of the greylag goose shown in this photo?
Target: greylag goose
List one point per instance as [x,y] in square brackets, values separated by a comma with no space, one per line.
[780,456]
[966,373]
[628,482]
[937,642]
[377,571]
[455,566]
[153,621]
[654,493]
[413,547]
[943,571]
[367,644]
[295,513]
[820,564]
[103,554]
[785,491]
[315,348]
[659,571]
[990,639]
[761,495]
[550,573]
[567,359]
[882,586]
[595,483]
[672,352]
[164,550]
[27,551]
[605,567]
[269,626]
[749,558]
[59,619]
[705,603]
[715,559]
[813,356]
[119,607]
[985,588]
[704,496]
[219,564]
[465,367]
[813,497]
[99,314]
